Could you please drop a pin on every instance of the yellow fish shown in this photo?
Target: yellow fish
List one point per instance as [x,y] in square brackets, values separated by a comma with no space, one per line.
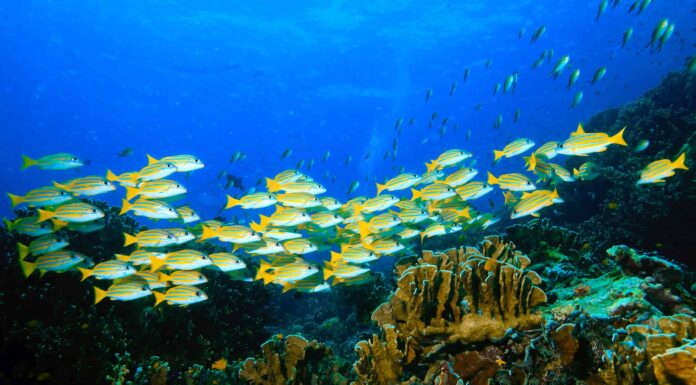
[460,177]
[140,257]
[252,201]
[343,270]
[433,192]
[87,186]
[227,262]
[283,217]
[42,245]
[58,261]
[583,143]
[516,147]
[149,208]
[183,163]
[41,197]
[29,226]
[378,203]
[399,182]
[62,161]
[330,204]
[185,277]
[657,171]
[156,189]
[305,186]
[547,150]
[473,190]
[299,246]
[180,295]
[154,171]
[233,234]
[512,182]
[126,291]
[531,203]
[187,214]
[151,238]
[111,269]
[127,179]
[295,271]
[72,212]
[298,199]
[448,158]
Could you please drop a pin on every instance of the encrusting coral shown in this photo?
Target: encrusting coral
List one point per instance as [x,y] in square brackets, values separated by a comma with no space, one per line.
[459,296]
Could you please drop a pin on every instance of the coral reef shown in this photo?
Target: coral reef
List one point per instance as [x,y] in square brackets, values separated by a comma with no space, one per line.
[447,299]
[651,216]
[660,351]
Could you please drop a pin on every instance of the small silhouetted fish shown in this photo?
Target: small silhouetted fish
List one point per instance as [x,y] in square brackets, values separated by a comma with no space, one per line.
[233,181]
[128,151]
[286,153]
[642,145]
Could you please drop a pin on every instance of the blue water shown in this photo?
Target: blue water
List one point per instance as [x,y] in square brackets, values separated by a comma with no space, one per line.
[213,77]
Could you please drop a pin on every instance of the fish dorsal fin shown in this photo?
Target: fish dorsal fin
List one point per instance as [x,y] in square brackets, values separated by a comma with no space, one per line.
[151,160]
[579,131]
[525,195]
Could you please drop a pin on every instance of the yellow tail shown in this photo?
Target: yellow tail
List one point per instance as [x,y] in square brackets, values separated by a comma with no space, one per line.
[231,202]
[126,206]
[380,188]
[86,273]
[464,213]
[497,154]
[272,185]
[554,194]
[45,215]
[208,233]
[129,239]
[431,166]
[576,173]
[110,176]
[99,295]
[416,194]
[122,257]
[27,268]
[532,162]
[364,229]
[164,277]
[16,199]
[28,162]
[679,162]
[156,263]
[151,160]
[131,192]
[9,224]
[618,138]
[22,251]
[491,179]
[328,273]
[159,297]
[58,224]
[61,186]
[288,286]
[335,257]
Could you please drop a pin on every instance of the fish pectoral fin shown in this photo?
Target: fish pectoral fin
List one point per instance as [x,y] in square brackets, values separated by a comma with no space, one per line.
[535,215]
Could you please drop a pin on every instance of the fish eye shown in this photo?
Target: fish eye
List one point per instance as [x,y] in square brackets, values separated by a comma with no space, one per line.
[199,294]
[514,211]
[143,288]
[529,183]
[170,165]
[309,267]
[94,211]
[62,193]
[169,237]
[178,185]
[560,146]
[170,210]
[106,183]
[74,159]
[197,160]
[204,257]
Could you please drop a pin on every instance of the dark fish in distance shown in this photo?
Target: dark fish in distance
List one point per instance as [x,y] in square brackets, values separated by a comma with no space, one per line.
[128,151]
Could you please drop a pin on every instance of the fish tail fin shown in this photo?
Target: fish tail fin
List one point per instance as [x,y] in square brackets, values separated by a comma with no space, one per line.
[364,229]
[208,233]
[164,277]
[266,276]
[58,224]
[287,286]
[231,202]
[532,162]
[22,250]
[86,273]
[416,194]
[27,268]
[159,297]
[9,224]
[28,162]
[263,222]
[129,239]
[272,185]
[256,227]
[328,273]
[110,176]
[554,194]
[16,199]
[497,154]
[151,159]
[131,192]
[156,263]
[679,162]
[492,179]
[464,213]
[61,186]
[122,257]
[380,188]
[45,215]
[99,295]
[126,206]
[335,257]
[431,166]
[618,138]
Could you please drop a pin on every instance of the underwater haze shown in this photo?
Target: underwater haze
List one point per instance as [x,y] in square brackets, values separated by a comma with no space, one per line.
[399,192]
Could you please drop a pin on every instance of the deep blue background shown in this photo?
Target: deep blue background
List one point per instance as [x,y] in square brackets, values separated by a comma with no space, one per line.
[212,77]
